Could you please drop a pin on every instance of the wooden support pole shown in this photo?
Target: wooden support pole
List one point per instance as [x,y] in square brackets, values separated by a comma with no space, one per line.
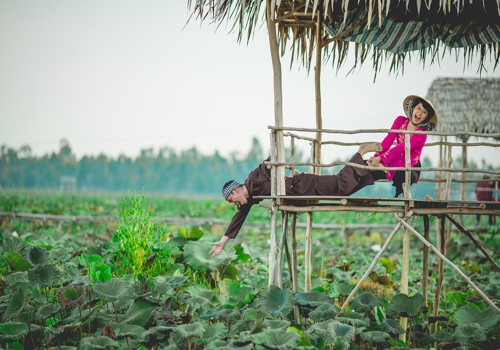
[448,177]
[273,240]
[463,185]
[294,275]
[374,262]
[476,241]
[308,254]
[405,263]
[284,228]
[278,173]
[425,262]
[451,264]
[442,248]
[317,88]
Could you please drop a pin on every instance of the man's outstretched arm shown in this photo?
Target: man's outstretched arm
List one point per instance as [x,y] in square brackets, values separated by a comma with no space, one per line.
[218,246]
[233,228]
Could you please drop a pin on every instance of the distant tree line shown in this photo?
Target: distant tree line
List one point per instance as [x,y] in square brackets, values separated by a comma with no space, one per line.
[164,171]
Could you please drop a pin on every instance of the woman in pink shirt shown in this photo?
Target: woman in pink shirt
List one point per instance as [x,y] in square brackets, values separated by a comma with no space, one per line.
[420,115]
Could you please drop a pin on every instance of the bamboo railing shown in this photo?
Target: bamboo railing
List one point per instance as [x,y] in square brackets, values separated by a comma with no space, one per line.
[444,176]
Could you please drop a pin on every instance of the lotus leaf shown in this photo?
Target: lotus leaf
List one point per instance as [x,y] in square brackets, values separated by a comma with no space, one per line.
[16,277]
[113,290]
[72,295]
[365,302]
[275,301]
[250,315]
[406,306]
[325,311]
[441,337]
[321,330]
[194,329]
[312,298]
[47,311]
[17,301]
[341,288]
[13,330]
[127,330]
[229,314]
[85,260]
[353,318]
[193,234]
[197,255]
[44,275]
[391,326]
[277,324]
[341,344]
[197,301]
[469,333]
[341,330]
[158,332]
[100,272]
[139,312]
[487,318]
[276,339]
[375,337]
[16,262]
[233,291]
[177,281]
[38,256]
[215,331]
[98,342]
[200,291]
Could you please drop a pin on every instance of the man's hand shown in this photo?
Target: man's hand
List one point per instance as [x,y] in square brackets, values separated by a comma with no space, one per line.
[374,161]
[218,246]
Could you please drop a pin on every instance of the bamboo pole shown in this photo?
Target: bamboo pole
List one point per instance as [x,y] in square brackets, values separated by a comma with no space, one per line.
[294,274]
[278,173]
[317,88]
[442,248]
[476,242]
[308,254]
[374,262]
[463,186]
[451,264]
[448,177]
[284,227]
[405,263]
[273,241]
[384,131]
[425,263]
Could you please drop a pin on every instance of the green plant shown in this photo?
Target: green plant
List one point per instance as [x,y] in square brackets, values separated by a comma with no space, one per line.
[139,245]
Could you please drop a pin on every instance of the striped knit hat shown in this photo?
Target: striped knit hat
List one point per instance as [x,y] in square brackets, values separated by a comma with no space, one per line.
[228,188]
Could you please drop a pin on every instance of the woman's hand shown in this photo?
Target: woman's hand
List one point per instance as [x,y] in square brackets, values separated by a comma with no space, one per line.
[218,246]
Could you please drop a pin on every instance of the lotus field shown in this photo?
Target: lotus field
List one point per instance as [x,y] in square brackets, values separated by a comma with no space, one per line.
[136,282]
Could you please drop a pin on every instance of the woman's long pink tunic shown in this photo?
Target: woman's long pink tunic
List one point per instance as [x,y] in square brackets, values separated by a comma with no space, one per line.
[395,156]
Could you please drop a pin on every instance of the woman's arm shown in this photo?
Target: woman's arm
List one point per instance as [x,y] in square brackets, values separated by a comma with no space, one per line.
[416,141]
[391,136]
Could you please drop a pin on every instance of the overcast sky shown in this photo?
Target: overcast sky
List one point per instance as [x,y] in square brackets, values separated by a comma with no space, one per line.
[117,76]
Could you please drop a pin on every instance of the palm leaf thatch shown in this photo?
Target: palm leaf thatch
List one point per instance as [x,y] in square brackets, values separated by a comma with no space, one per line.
[470,104]
[383,30]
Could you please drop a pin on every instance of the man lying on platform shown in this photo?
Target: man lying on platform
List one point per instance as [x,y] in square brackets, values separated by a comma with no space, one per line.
[258,183]
[420,115]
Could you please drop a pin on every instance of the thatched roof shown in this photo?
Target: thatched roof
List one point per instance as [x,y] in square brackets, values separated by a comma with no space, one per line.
[466,104]
[383,30]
